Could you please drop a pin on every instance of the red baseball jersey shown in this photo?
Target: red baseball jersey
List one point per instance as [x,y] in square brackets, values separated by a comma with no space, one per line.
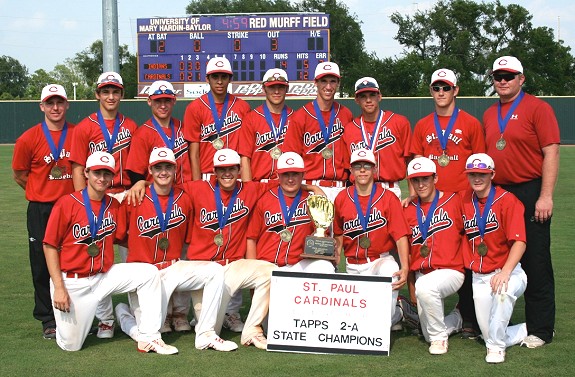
[304,137]
[385,224]
[141,226]
[505,225]
[444,237]
[267,222]
[466,138]
[258,140]
[391,145]
[146,139]
[199,127]
[205,219]
[32,154]
[68,230]
[531,127]
[88,139]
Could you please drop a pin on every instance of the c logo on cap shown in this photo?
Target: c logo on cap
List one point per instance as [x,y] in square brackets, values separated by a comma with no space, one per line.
[441,73]
[416,166]
[162,154]
[110,77]
[163,87]
[502,62]
[361,154]
[290,161]
[105,159]
[221,158]
[53,89]
[219,63]
[327,67]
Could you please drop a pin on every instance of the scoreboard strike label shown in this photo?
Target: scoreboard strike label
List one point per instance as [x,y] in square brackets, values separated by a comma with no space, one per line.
[178,49]
[329,313]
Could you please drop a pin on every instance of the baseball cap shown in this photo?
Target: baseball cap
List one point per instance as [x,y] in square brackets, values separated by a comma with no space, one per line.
[226,157]
[275,76]
[110,78]
[219,65]
[445,75]
[326,68]
[290,162]
[101,160]
[364,155]
[508,63]
[479,163]
[366,84]
[159,155]
[161,89]
[52,90]
[420,167]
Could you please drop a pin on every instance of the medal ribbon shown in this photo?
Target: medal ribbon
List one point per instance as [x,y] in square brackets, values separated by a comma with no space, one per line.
[363,219]
[503,122]
[444,136]
[325,131]
[276,131]
[223,217]
[218,120]
[96,223]
[110,140]
[372,142]
[168,141]
[424,225]
[55,150]
[288,213]
[163,217]
[480,218]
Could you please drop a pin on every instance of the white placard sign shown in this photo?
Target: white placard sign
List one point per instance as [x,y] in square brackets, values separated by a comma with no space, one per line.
[329,313]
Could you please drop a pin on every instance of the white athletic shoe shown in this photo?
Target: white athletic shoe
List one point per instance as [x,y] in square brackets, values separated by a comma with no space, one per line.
[158,346]
[106,329]
[532,341]
[259,340]
[495,357]
[233,322]
[215,342]
[438,347]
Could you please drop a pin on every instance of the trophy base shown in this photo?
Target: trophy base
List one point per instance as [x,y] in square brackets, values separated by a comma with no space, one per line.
[319,248]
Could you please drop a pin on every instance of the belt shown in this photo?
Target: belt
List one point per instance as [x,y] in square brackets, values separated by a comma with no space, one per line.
[386,184]
[161,265]
[352,260]
[73,275]
[324,183]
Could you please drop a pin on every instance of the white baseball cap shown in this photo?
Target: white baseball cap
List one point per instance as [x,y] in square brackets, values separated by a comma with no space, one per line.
[327,68]
[364,155]
[275,76]
[290,162]
[445,75]
[219,65]
[52,90]
[110,78]
[479,163]
[366,84]
[421,167]
[161,89]
[159,155]
[226,157]
[508,63]
[101,160]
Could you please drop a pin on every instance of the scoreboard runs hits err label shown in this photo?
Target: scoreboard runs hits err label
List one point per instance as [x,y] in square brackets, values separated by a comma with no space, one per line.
[329,313]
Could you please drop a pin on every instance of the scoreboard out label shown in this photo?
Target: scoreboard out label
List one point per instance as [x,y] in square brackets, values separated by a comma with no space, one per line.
[178,49]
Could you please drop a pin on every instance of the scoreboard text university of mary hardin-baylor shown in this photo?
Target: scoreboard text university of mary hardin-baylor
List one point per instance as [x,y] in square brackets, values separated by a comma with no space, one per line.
[178,49]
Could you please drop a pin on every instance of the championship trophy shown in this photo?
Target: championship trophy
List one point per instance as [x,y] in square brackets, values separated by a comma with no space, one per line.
[318,246]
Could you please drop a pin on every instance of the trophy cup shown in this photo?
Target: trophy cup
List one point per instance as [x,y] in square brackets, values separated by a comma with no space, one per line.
[318,246]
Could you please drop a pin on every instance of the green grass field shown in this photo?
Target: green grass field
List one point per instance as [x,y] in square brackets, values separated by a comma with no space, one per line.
[23,352]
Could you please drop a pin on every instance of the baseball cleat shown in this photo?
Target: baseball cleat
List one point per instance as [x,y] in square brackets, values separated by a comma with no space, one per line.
[259,340]
[181,323]
[166,326]
[233,322]
[106,329]
[532,341]
[49,333]
[438,347]
[158,346]
[215,342]
[495,357]
[409,311]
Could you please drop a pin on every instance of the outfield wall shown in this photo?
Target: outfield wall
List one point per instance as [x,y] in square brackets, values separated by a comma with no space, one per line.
[17,116]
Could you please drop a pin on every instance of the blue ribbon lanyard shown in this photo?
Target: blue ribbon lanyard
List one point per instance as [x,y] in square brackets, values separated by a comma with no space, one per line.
[444,136]
[325,131]
[223,217]
[169,142]
[163,217]
[95,224]
[480,218]
[503,122]
[424,225]
[218,120]
[287,214]
[363,219]
[364,133]
[110,140]
[55,150]
[276,131]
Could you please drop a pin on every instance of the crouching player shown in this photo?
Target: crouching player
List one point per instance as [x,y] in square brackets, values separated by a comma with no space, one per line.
[493,220]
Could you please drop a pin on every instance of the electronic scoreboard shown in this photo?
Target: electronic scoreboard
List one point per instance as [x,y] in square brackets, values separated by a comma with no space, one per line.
[178,49]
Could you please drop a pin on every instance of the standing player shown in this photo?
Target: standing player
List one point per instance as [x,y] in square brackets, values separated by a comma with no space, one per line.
[435,218]
[156,231]
[213,121]
[519,128]
[264,128]
[80,257]
[368,224]
[41,167]
[280,222]
[383,132]
[316,132]
[493,220]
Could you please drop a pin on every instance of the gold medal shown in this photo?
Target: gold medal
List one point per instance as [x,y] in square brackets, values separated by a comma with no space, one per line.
[424,251]
[56,172]
[93,250]
[218,144]
[364,242]
[219,239]
[286,235]
[327,153]
[501,143]
[275,153]
[482,249]
[164,243]
[443,160]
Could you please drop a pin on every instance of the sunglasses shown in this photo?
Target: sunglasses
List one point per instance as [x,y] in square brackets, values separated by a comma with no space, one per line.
[277,78]
[437,88]
[106,81]
[165,91]
[359,166]
[478,165]
[504,76]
